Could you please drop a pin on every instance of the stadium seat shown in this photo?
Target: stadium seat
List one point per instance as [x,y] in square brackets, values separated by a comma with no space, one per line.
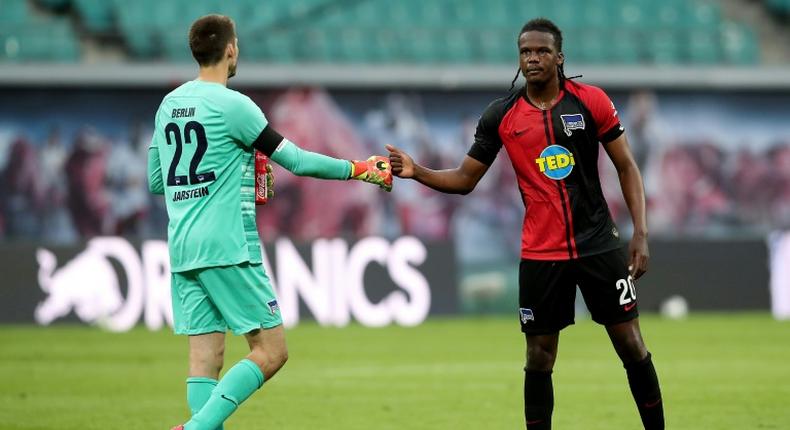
[97,15]
[780,7]
[252,45]
[55,4]
[623,46]
[168,16]
[468,14]
[352,45]
[314,46]
[401,14]
[572,47]
[631,15]
[421,46]
[176,48]
[667,14]
[385,47]
[141,44]
[593,48]
[497,46]
[599,14]
[567,14]
[418,31]
[739,45]
[703,47]
[14,12]
[368,13]
[524,10]
[64,45]
[706,14]
[663,47]
[137,30]
[39,41]
[455,47]
[500,14]
[257,17]
[279,47]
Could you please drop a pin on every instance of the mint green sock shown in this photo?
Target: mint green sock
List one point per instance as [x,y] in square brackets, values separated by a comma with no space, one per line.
[198,392]
[235,387]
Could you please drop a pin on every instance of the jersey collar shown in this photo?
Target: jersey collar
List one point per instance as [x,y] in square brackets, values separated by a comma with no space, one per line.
[560,95]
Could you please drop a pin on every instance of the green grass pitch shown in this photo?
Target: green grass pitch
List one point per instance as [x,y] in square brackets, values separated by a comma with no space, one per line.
[718,371]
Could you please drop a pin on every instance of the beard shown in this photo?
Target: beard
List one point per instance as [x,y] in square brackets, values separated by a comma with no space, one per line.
[232,70]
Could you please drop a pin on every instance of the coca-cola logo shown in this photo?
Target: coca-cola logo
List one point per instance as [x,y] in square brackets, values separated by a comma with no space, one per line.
[260,181]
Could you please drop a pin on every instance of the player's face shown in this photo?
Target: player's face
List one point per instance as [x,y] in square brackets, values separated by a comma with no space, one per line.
[538,57]
[234,61]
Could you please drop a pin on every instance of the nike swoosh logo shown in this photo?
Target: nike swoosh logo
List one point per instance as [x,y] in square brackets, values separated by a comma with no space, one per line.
[628,307]
[651,405]
[520,132]
[534,422]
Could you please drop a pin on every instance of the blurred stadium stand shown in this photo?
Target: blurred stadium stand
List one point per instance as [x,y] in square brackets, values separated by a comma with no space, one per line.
[702,85]
[781,7]
[675,32]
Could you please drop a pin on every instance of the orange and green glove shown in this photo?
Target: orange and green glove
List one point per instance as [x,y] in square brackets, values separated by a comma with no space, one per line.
[375,170]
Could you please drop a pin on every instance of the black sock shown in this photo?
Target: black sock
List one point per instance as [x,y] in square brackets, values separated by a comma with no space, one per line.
[538,399]
[643,381]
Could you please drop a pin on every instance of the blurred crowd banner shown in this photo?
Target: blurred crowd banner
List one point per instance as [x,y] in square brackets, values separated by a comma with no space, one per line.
[117,284]
[72,165]
[716,166]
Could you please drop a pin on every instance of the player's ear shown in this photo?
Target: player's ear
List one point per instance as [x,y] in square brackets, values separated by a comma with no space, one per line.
[232,50]
[560,58]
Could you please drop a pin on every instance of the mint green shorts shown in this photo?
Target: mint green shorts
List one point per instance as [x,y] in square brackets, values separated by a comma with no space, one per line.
[215,299]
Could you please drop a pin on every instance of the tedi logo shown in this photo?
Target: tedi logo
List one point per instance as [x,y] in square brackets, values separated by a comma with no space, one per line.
[556,162]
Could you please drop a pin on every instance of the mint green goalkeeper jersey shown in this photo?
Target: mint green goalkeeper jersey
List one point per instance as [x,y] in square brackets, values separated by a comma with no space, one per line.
[203,136]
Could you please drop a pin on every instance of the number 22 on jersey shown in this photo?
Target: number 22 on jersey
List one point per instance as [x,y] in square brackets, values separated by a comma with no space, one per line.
[173,136]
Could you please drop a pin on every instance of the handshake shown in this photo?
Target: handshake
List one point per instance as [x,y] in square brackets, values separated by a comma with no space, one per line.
[379,169]
[375,170]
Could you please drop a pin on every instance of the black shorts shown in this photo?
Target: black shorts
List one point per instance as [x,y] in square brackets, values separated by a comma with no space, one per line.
[547,291]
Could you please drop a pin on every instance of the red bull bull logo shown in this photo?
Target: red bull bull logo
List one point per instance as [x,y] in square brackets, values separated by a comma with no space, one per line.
[89,286]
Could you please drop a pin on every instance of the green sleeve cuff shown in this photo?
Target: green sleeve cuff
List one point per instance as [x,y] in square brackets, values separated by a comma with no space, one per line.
[305,163]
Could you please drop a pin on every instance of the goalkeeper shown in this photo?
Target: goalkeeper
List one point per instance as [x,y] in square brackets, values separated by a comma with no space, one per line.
[201,158]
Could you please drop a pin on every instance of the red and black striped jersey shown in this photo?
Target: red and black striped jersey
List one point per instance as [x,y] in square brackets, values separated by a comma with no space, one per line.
[555,155]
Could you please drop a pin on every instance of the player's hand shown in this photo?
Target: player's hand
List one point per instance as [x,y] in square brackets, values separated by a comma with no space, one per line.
[638,255]
[269,181]
[375,170]
[402,163]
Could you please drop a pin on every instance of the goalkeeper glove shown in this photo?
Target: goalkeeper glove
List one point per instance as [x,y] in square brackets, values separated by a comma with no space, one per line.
[375,170]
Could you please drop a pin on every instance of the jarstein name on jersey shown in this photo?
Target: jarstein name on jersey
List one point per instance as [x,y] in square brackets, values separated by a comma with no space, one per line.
[190,194]
[183,112]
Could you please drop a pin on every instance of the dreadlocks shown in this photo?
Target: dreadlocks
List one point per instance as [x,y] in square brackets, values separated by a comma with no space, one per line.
[545,26]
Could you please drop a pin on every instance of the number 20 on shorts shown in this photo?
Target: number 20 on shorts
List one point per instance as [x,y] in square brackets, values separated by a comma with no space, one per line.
[627,290]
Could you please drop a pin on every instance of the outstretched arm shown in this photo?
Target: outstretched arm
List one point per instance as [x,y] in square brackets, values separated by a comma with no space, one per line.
[634,194]
[248,125]
[306,163]
[301,162]
[461,180]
